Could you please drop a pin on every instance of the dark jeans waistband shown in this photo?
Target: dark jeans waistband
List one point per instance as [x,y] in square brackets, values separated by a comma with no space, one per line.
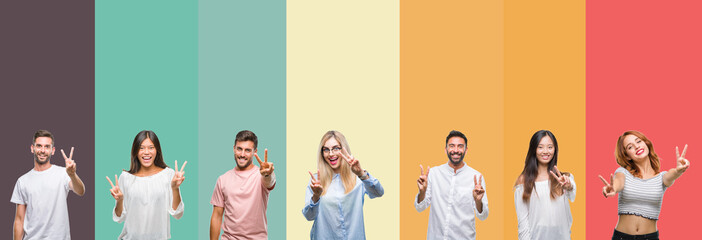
[623,236]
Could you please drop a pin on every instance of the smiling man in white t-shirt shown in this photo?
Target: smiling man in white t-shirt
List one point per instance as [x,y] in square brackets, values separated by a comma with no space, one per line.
[40,194]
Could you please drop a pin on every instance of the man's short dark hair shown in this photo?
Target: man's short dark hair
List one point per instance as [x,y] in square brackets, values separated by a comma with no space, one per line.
[43,133]
[455,133]
[246,135]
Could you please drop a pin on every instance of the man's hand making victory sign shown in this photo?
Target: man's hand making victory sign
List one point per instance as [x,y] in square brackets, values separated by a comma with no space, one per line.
[70,164]
[266,168]
[76,184]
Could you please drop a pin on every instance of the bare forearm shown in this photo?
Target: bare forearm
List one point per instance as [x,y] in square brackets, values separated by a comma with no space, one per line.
[215,226]
[18,229]
[118,208]
[421,196]
[176,198]
[479,206]
[78,186]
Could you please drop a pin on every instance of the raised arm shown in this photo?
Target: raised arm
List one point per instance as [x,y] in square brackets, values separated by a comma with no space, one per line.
[76,184]
[266,169]
[681,166]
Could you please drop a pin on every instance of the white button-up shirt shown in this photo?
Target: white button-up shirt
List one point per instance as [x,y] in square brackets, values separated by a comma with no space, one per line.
[453,211]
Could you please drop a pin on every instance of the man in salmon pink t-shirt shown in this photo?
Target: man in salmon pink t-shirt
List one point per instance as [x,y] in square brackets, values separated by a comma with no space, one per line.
[241,194]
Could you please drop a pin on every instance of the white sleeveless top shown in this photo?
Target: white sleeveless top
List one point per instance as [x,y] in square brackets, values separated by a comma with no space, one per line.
[641,197]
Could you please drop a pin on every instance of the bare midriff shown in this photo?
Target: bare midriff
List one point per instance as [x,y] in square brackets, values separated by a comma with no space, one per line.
[636,225]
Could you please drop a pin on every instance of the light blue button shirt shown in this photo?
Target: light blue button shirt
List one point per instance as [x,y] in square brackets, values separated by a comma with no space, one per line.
[338,215]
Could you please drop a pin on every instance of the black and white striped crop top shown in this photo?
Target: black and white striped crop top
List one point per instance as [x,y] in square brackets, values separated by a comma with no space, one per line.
[641,197]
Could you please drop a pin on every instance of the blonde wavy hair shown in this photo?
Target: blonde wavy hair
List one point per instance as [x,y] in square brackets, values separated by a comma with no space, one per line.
[326,173]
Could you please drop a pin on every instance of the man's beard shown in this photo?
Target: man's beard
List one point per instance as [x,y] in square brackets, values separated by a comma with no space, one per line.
[248,162]
[40,162]
[455,162]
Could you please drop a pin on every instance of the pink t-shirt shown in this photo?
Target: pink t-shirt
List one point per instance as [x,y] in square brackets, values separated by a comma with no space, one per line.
[244,198]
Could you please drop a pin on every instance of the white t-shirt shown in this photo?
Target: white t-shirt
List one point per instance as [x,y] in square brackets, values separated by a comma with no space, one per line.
[45,194]
[147,206]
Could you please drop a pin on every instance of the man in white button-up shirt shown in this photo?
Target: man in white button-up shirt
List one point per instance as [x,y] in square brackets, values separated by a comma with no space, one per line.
[455,192]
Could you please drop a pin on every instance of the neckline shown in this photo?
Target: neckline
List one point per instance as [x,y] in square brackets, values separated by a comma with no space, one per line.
[159,172]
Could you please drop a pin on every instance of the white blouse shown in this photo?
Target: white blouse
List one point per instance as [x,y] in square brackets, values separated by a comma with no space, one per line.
[543,217]
[147,206]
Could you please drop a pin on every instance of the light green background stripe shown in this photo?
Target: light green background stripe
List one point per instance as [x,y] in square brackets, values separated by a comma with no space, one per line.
[241,86]
[145,78]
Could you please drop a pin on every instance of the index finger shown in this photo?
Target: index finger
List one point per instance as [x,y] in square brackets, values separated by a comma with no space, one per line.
[475,180]
[421,169]
[183,167]
[312,175]
[345,154]
[111,184]
[64,154]
[603,180]
[116,180]
[71,154]
[481,180]
[258,159]
[558,172]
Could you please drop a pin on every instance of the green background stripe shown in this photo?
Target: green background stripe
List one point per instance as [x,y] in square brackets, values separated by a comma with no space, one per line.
[241,86]
[145,78]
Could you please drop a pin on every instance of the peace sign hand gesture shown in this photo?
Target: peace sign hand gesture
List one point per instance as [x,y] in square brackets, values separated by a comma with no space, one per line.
[179,175]
[608,189]
[422,181]
[316,187]
[70,164]
[116,193]
[563,180]
[353,162]
[478,191]
[266,168]
[682,162]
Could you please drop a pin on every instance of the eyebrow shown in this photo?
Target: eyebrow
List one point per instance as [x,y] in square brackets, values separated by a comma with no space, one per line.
[331,147]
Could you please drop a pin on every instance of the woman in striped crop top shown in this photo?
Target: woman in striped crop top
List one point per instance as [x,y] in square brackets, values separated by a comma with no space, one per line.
[640,185]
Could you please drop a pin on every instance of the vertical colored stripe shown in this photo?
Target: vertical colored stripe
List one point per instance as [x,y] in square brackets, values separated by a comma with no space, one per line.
[451,78]
[643,74]
[46,67]
[343,75]
[241,87]
[146,78]
[545,89]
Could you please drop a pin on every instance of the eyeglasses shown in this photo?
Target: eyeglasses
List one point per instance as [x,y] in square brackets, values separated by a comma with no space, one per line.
[333,150]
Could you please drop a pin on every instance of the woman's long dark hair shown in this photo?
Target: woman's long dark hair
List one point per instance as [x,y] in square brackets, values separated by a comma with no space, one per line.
[531,166]
[140,137]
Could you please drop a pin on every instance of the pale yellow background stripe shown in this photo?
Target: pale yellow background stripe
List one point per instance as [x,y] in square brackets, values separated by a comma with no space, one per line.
[343,74]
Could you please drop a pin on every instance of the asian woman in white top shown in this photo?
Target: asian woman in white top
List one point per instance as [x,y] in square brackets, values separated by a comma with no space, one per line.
[149,193]
[640,185]
[542,193]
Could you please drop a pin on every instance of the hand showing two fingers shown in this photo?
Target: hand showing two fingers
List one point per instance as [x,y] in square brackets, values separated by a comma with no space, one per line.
[423,180]
[70,164]
[681,162]
[608,189]
[116,193]
[266,168]
[563,180]
[179,175]
[478,191]
[316,185]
